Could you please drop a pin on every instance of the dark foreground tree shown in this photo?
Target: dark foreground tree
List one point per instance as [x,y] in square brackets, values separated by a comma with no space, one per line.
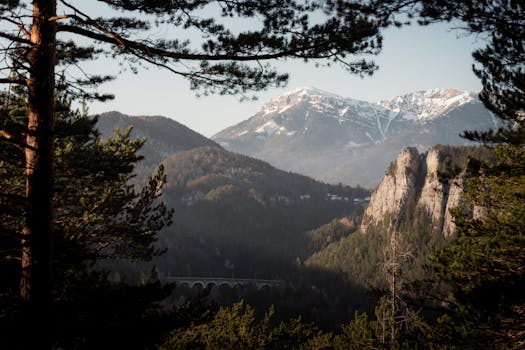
[37,39]
[484,264]
[236,327]
[99,217]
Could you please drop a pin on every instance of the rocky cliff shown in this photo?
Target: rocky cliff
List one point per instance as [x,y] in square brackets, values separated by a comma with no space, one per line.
[432,182]
[413,200]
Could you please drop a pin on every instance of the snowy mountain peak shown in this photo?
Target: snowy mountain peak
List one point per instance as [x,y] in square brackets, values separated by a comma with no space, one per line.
[312,91]
[308,110]
[289,99]
[316,98]
[428,104]
[340,139]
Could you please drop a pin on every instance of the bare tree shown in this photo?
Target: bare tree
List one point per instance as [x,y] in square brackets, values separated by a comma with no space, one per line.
[396,253]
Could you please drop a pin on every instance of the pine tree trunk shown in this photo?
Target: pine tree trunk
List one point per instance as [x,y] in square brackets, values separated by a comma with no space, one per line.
[35,283]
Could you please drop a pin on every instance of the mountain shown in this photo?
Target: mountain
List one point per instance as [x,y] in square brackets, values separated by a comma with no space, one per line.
[239,215]
[164,136]
[234,215]
[413,201]
[337,139]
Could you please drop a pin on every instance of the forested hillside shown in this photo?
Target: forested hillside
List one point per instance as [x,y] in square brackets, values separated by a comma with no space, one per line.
[163,137]
[238,215]
[412,204]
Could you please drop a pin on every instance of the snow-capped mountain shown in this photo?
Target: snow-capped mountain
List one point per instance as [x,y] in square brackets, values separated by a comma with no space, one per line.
[338,139]
[429,104]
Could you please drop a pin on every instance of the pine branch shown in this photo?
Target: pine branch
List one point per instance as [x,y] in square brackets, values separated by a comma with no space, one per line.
[135,48]
[17,140]
[13,81]
[15,38]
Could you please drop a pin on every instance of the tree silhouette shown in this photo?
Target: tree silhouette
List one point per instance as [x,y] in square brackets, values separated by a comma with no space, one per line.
[40,44]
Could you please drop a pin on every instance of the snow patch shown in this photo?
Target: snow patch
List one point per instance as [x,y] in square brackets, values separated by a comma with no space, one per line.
[352,144]
[427,105]
[269,128]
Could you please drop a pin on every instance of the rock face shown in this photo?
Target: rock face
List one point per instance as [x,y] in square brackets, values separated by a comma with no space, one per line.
[397,189]
[414,182]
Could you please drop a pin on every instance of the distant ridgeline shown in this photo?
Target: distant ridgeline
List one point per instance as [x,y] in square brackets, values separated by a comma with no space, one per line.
[338,139]
[413,201]
[236,214]
[233,214]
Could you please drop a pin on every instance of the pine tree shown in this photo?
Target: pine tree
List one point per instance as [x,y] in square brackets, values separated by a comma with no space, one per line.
[35,51]
[32,38]
[484,265]
[100,216]
[236,327]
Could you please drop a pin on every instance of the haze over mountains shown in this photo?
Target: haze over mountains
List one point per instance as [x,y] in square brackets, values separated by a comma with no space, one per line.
[234,215]
[337,139]
[237,216]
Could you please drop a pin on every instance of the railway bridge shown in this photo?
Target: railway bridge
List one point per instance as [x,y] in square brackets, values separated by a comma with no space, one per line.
[220,281]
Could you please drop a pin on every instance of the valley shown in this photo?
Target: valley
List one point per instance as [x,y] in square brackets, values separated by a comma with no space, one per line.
[239,218]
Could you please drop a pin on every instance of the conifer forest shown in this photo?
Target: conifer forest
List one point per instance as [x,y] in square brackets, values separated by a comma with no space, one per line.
[124,232]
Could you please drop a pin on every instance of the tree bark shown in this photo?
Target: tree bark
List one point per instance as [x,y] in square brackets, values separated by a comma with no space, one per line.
[35,283]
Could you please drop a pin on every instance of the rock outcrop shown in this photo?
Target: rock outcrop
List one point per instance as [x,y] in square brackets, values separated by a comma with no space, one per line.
[415,181]
[397,190]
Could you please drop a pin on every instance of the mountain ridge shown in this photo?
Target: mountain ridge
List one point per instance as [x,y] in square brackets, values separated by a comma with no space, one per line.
[233,213]
[338,139]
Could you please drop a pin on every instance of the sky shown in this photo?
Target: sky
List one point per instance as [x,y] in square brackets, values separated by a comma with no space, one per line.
[413,58]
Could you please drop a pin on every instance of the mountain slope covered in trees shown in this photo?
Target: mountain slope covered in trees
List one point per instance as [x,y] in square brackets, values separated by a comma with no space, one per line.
[163,136]
[244,216]
[234,215]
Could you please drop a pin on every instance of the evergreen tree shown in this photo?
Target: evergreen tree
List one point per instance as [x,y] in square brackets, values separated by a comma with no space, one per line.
[100,216]
[484,264]
[365,333]
[236,327]
[39,41]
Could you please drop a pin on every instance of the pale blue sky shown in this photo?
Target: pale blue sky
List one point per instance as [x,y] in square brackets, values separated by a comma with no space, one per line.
[414,58]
